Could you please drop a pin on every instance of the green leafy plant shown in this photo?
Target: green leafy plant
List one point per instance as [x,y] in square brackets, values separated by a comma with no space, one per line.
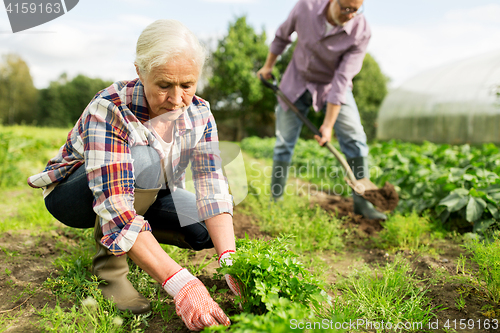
[286,316]
[268,271]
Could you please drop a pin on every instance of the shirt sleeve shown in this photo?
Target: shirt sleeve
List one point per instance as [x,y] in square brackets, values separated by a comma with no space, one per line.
[282,37]
[109,168]
[212,193]
[349,66]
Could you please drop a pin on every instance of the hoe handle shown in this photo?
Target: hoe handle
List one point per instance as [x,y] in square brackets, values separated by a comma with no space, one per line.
[309,125]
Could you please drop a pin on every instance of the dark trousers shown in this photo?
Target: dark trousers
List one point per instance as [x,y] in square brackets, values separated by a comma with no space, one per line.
[71,201]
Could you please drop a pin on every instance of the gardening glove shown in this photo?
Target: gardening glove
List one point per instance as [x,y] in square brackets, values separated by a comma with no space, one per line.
[193,302]
[225,258]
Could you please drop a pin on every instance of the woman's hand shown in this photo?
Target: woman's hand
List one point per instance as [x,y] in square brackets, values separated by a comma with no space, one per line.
[225,258]
[193,302]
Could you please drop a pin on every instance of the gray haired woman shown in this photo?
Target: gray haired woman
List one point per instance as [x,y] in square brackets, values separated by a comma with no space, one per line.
[122,172]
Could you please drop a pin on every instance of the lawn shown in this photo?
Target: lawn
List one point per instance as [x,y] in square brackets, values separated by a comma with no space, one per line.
[308,264]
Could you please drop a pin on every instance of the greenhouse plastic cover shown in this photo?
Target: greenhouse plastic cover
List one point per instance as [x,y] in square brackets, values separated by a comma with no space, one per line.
[456,103]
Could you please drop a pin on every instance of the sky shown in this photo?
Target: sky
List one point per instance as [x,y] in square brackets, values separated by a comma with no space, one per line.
[97,38]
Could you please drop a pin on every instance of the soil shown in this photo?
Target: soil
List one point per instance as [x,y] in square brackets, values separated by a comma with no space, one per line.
[386,198]
[27,261]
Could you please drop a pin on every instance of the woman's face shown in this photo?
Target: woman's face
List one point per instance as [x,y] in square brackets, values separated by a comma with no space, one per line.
[170,86]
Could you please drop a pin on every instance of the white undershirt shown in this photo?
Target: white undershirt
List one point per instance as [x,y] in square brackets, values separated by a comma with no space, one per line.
[162,128]
[329,27]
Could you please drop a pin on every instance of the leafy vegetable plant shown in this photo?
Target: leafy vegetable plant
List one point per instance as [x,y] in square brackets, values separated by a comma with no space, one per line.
[267,272]
[456,183]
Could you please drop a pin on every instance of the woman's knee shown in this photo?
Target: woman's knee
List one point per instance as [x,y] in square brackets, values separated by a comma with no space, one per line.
[198,237]
[147,167]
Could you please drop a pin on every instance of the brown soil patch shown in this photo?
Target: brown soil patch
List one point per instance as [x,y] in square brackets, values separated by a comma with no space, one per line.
[25,263]
[343,208]
[385,199]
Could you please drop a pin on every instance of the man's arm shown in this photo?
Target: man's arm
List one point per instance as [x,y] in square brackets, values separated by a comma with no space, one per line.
[266,70]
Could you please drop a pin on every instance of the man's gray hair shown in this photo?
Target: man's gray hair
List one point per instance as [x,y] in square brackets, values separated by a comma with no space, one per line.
[164,40]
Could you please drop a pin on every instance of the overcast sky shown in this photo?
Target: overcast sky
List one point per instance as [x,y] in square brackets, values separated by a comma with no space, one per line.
[97,38]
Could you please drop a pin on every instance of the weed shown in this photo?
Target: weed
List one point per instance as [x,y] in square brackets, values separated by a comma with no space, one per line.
[460,302]
[489,311]
[26,291]
[9,253]
[90,316]
[487,257]
[217,294]
[166,311]
[8,319]
[439,275]
[198,269]
[391,293]
[407,232]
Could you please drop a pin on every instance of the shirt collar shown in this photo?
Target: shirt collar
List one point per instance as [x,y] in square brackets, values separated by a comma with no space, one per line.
[347,27]
[137,102]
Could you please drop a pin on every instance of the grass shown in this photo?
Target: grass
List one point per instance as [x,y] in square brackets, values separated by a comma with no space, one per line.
[487,257]
[313,228]
[18,142]
[390,294]
[407,232]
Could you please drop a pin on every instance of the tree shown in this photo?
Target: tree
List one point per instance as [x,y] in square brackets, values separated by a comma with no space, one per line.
[369,89]
[62,103]
[241,105]
[18,95]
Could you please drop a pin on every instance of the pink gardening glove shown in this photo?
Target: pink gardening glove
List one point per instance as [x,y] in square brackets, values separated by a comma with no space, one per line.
[193,302]
[225,257]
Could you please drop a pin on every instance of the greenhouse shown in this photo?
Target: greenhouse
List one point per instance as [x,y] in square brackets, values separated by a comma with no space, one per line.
[455,103]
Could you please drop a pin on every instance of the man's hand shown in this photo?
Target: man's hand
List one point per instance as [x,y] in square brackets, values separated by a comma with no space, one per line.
[267,69]
[332,112]
[326,135]
[265,72]
[193,302]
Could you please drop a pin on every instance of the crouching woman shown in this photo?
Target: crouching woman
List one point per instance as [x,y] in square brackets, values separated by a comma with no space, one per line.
[122,171]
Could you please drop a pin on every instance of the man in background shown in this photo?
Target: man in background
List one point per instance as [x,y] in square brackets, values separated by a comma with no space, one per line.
[332,37]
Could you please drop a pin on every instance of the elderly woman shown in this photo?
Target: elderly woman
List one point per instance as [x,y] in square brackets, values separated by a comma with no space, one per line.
[122,172]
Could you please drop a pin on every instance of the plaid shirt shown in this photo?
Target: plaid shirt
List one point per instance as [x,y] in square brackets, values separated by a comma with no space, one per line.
[113,122]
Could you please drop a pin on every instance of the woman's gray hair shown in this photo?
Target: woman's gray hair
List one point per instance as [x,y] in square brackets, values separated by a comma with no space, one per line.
[164,40]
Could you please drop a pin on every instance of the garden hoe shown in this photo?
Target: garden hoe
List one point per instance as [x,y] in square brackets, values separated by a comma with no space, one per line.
[385,198]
